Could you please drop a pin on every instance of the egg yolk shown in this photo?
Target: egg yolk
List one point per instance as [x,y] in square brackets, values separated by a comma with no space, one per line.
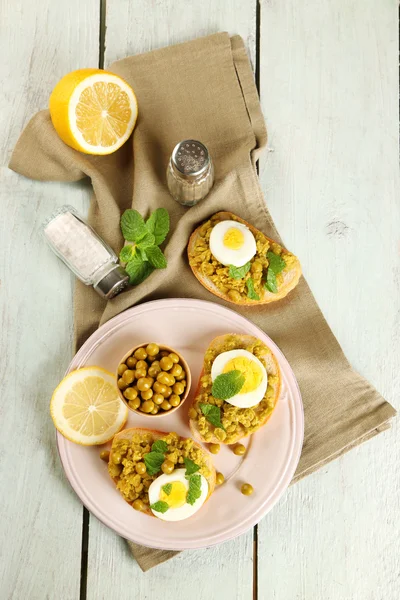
[233,238]
[252,372]
[177,497]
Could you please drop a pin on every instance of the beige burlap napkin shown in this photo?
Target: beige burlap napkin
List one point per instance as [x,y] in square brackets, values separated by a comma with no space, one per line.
[205,90]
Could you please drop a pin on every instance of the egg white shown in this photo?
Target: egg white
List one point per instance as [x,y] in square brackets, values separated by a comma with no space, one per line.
[228,256]
[185,511]
[248,399]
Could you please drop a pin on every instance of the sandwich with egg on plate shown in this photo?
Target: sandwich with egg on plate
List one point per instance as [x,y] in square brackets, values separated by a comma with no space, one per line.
[161,474]
[238,389]
[237,262]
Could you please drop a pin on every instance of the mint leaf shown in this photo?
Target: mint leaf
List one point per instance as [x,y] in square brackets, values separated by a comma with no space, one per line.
[160,506]
[271,283]
[153,462]
[142,253]
[276,262]
[251,292]
[167,488]
[146,241]
[194,491]
[127,253]
[276,265]
[138,270]
[160,446]
[156,257]
[145,256]
[158,225]
[239,272]
[227,385]
[212,414]
[191,466]
[133,226]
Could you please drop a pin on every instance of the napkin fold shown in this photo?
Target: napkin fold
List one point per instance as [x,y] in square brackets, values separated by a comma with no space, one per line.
[205,89]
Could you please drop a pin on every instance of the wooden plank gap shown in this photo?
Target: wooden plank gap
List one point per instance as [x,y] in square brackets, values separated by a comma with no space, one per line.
[257,51]
[255,562]
[102,32]
[257,57]
[257,79]
[84,554]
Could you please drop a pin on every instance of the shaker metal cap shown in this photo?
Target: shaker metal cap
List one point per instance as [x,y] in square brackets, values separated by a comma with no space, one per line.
[190,158]
[113,283]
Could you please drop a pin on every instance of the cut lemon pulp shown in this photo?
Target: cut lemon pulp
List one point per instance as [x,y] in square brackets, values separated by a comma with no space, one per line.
[86,407]
[93,111]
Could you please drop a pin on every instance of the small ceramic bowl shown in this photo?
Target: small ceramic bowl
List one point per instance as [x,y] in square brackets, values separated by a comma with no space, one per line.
[183,364]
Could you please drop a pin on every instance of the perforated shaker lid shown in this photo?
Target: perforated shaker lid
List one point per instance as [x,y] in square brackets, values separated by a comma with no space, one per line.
[112,283]
[190,158]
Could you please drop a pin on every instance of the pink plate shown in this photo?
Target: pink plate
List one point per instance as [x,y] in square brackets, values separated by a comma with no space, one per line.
[272,453]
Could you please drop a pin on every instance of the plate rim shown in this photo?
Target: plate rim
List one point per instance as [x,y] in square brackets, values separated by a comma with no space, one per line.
[95,339]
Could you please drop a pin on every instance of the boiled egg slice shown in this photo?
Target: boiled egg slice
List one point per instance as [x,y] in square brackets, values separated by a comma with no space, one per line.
[232,243]
[255,376]
[178,508]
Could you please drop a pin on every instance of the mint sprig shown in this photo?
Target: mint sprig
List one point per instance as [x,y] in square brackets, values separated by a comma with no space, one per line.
[191,467]
[153,462]
[167,488]
[239,272]
[138,270]
[142,255]
[160,446]
[154,459]
[212,414]
[147,241]
[276,266]
[271,284]
[194,491]
[276,262]
[251,292]
[127,253]
[227,385]
[158,225]
[133,226]
[160,506]
[156,258]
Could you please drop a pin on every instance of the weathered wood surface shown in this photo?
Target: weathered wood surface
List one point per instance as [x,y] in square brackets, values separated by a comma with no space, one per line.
[41,518]
[329,74]
[224,572]
[328,82]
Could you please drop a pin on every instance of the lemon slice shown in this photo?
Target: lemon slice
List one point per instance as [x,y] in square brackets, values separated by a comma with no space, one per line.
[86,407]
[93,111]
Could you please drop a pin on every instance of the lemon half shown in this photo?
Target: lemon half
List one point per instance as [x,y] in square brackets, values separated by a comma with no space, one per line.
[86,407]
[93,111]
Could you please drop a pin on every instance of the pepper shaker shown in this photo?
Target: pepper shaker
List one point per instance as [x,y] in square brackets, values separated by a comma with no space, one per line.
[190,172]
[84,252]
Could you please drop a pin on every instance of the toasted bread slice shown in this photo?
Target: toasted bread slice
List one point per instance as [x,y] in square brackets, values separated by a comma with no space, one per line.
[216,347]
[288,278]
[127,434]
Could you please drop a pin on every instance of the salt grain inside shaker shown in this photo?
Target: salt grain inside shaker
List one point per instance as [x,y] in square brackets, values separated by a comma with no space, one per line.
[84,252]
[190,172]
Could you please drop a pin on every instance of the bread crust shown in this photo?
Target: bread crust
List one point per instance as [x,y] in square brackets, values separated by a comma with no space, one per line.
[127,434]
[291,277]
[272,368]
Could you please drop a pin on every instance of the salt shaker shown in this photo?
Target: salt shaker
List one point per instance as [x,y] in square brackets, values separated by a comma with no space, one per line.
[190,172]
[84,252]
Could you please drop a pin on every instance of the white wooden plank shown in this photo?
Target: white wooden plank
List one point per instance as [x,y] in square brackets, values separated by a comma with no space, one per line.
[329,86]
[133,28]
[41,520]
[335,535]
[223,572]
